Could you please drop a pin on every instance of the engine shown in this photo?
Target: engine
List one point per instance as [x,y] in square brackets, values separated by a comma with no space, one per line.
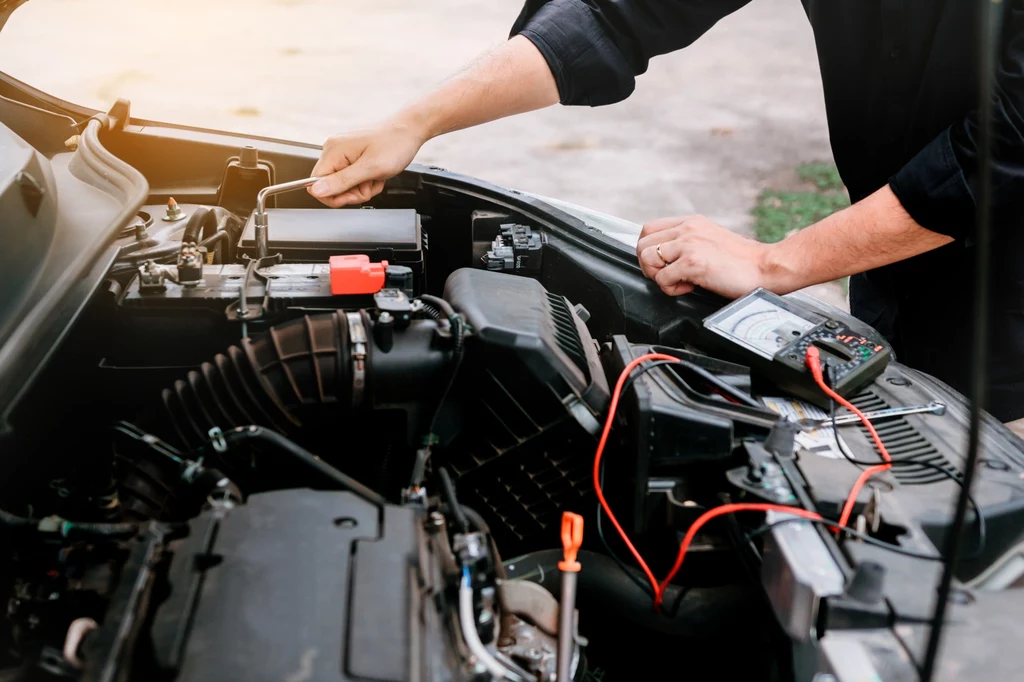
[210,542]
[291,443]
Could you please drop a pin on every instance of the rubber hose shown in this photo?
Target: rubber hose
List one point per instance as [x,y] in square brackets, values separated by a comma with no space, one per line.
[206,222]
[298,366]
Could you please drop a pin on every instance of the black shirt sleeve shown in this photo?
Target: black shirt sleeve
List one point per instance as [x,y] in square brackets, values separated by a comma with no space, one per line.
[937,186]
[596,48]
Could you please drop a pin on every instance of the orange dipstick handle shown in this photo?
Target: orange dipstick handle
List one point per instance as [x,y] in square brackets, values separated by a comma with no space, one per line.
[572,538]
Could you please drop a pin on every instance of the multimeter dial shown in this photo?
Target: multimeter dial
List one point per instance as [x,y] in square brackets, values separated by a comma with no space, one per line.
[772,335]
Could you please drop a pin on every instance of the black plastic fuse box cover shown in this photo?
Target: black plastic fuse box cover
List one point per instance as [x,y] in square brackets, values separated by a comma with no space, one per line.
[313,235]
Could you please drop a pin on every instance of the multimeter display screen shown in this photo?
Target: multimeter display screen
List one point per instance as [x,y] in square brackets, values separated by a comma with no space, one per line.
[762,323]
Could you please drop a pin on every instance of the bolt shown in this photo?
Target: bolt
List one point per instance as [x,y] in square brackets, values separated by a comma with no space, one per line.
[437,518]
[174,212]
[249,157]
[385,318]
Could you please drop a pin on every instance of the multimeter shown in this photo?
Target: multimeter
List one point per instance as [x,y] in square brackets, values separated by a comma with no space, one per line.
[771,334]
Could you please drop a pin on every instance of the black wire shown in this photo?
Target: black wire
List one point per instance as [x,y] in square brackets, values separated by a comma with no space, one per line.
[72,528]
[643,585]
[637,372]
[448,488]
[439,303]
[458,328]
[215,239]
[344,481]
[896,461]
[615,557]
[990,13]
[849,531]
[721,385]
[623,566]
[637,580]
[711,379]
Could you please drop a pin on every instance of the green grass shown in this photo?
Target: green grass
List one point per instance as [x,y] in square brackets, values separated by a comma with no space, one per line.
[780,212]
[824,176]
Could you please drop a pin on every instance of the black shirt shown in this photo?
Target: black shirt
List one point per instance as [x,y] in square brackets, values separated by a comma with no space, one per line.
[900,83]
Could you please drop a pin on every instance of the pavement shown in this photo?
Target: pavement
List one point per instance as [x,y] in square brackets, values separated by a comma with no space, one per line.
[705,131]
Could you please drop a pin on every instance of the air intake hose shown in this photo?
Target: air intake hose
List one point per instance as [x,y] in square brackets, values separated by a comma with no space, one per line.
[303,372]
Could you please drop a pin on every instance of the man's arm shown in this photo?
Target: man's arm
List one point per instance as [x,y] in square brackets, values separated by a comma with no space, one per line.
[927,203]
[569,51]
[513,78]
[937,186]
[871,233]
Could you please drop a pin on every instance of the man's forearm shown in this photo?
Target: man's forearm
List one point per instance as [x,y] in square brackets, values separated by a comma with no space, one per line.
[511,79]
[874,232]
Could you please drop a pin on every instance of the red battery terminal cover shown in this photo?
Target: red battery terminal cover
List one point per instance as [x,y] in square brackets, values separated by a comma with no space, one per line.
[355,274]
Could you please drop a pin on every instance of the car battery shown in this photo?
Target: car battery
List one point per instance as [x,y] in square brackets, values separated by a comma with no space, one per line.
[177,323]
[313,235]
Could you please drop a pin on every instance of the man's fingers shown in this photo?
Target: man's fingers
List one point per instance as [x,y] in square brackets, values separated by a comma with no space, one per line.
[650,263]
[654,231]
[678,289]
[345,180]
[327,164]
[358,195]
[659,225]
[674,280]
[686,267]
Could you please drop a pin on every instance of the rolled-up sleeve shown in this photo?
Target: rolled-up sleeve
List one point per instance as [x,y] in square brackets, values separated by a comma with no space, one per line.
[597,48]
[937,186]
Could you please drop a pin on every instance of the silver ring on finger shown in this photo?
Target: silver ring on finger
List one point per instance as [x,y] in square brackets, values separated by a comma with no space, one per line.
[664,260]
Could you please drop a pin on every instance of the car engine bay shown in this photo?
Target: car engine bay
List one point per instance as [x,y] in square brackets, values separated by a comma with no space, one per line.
[258,438]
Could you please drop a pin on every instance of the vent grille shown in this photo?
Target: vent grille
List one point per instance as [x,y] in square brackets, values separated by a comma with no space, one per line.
[904,442]
[527,460]
[566,334]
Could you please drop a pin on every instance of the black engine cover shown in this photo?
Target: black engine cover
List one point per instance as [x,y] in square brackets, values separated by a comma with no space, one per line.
[302,584]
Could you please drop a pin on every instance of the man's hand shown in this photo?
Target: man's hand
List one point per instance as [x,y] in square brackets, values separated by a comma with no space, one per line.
[513,78]
[698,252]
[873,232]
[353,167]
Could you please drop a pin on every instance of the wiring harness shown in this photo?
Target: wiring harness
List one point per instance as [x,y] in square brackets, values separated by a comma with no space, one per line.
[658,588]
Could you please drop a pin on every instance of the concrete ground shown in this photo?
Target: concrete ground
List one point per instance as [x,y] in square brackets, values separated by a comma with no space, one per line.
[705,131]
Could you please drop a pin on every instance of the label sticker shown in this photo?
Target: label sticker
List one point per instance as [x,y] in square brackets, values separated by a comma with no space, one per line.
[820,441]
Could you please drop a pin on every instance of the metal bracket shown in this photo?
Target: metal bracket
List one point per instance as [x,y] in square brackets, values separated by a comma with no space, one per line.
[358,339]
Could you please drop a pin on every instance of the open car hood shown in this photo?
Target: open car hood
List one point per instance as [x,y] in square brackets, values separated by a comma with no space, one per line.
[327,380]
[7,7]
